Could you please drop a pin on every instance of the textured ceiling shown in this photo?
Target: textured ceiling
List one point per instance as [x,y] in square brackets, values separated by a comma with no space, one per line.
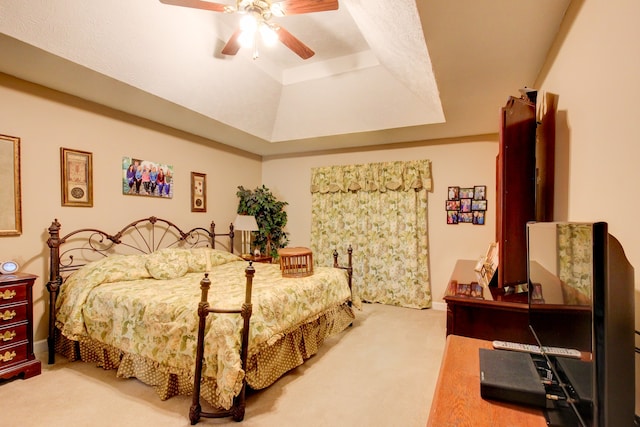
[374,79]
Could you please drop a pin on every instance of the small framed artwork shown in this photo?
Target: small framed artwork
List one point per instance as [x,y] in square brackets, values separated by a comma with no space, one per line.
[76,173]
[146,178]
[463,289]
[10,190]
[198,192]
[478,205]
[536,294]
[466,193]
[478,218]
[454,193]
[476,290]
[465,205]
[465,217]
[452,217]
[480,192]
[453,205]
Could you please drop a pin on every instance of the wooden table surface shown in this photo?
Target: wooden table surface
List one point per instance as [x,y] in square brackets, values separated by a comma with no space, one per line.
[457,401]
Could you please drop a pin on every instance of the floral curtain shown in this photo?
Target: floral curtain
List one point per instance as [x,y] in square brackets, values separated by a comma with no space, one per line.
[575,263]
[380,209]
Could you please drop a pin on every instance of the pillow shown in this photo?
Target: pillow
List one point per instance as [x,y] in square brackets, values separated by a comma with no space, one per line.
[168,263]
[198,258]
[116,268]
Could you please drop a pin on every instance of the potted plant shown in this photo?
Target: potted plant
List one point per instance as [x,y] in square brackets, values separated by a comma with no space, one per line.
[270,216]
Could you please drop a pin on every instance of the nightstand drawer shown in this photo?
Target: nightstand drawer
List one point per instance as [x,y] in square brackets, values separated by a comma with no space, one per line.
[13,293]
[12,334]
[16,327]
[12,314]
[13,355]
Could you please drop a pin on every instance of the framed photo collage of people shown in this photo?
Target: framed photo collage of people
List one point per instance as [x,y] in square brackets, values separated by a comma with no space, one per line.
[466,205]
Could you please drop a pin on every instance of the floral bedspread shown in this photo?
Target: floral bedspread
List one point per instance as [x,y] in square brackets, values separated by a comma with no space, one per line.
[119,302]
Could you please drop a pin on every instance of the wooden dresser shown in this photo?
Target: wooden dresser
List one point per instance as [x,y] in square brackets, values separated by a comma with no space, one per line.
[490,316]
[16,327]
[457,400]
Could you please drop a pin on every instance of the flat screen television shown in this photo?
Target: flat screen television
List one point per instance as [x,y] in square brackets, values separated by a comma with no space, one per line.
[581,295]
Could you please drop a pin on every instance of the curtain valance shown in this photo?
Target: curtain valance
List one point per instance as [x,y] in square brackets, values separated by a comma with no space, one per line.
[372,177]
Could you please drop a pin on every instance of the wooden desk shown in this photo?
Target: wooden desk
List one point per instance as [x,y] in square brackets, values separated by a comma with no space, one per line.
[457,401]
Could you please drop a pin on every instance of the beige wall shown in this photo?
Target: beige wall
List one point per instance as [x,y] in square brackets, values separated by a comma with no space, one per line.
[457,162]
[595,73]
[46,120]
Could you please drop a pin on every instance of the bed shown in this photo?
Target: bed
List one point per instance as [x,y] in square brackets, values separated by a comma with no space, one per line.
[132,301]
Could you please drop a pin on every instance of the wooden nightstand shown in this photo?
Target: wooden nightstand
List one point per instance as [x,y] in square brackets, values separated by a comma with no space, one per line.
[262,258]
[16,327]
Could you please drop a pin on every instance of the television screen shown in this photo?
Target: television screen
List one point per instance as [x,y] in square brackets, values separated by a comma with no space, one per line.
[581,296]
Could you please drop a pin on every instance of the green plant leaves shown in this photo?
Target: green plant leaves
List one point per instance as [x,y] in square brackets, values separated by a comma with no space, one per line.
[270,216]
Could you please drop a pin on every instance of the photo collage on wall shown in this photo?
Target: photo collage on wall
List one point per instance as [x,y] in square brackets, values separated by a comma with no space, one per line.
[466,205]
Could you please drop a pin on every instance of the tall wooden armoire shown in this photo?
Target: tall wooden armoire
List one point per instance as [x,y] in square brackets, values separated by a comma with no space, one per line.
[516,186]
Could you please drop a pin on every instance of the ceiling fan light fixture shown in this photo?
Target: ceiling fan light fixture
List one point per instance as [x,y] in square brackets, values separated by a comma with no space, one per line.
[257,14]
[246,39]
[277,9]
[249,23]
[243,4]
[268,35]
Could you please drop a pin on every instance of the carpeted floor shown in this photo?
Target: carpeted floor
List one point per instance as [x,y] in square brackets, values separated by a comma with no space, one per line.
[380,372]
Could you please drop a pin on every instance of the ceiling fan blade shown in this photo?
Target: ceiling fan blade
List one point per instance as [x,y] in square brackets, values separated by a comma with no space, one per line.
[297,7]
[197,4]
[290,41]
[233,45]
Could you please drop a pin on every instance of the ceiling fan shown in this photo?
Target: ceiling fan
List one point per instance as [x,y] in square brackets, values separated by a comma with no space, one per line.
[256,21]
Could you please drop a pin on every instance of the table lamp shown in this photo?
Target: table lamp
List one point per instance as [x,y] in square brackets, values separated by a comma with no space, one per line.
[246,224]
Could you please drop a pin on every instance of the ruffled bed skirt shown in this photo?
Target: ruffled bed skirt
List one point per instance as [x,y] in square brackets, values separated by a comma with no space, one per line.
[264,366]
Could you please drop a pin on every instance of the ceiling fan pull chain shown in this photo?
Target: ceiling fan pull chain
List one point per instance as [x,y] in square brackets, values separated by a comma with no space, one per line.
[256,54]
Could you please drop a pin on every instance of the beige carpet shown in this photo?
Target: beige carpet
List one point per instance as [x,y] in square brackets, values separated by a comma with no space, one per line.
[380,372]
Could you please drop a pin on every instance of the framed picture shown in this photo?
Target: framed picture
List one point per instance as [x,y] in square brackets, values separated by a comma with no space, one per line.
[466,193]
[480,192]
[454,193]
[146,178]
[465,205]
[478,205]
[464,217]
[452,217]
[10,193]
[198,192]
[478,218]
[453,205]
[476,290]
[76,173]
[463,289]
[536,294]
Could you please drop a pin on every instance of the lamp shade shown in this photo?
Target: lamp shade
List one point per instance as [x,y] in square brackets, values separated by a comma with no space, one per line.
[245,223]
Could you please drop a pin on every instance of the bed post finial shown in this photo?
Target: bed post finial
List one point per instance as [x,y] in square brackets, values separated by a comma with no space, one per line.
[205,284]
[231,236]
[53,285]
[349,266]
